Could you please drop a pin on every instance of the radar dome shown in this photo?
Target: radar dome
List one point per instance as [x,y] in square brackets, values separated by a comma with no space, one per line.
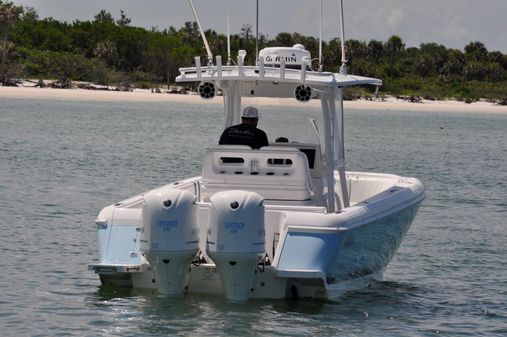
[294,57]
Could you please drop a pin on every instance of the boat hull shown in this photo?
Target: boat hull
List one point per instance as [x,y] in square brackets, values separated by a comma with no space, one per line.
[309,253]
[367,249]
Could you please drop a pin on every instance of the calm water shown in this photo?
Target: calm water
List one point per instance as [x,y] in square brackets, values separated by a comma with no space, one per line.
[62,161]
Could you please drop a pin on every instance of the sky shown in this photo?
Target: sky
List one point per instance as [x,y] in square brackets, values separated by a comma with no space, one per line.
[453,23]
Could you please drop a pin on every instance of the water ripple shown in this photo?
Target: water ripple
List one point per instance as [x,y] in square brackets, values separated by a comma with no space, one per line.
[61,162]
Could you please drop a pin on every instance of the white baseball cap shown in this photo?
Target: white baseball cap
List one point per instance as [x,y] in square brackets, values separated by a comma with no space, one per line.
[250,112]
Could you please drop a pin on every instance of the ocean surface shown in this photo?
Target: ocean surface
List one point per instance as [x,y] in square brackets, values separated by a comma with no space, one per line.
[62,161]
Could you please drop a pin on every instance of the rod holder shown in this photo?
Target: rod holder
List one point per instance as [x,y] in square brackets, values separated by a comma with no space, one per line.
[198,67]
[219,66]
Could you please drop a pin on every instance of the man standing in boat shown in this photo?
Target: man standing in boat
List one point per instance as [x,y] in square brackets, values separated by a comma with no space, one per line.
[247,132]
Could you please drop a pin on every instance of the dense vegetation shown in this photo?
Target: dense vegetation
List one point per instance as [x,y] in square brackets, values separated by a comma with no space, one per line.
[111,51]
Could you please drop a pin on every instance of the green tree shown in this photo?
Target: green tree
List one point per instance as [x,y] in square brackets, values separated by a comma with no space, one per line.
[452,70]
[105,50]
[375,50]
[9,14]
[30,15]
[190,33]
[246,31]
[430,59]
[123,21]
[331,53]
[283,40]
[356,49]
[476,51]
[104,17]
[483,71]
[394,48]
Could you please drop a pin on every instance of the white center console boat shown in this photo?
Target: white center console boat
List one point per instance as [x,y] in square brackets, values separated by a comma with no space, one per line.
[285,221]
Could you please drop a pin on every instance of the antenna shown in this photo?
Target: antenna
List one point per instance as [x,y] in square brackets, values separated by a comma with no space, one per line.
[228,37]
[343,68]
[320,38]
[257,34]
[204,40]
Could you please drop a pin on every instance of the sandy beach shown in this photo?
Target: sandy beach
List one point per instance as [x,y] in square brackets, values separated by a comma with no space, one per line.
[139,95]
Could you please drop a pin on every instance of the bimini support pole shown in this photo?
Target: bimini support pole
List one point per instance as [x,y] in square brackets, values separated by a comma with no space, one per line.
[326,100]
[204,40]
[232,101]
[339,146]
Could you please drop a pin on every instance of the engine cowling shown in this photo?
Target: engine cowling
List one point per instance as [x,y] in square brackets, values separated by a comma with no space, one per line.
[236,239]
[170,236]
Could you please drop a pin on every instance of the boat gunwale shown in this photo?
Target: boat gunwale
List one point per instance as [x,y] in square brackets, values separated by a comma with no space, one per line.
[413,185]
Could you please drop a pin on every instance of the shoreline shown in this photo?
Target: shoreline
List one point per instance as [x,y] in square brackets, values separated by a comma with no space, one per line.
[140,95]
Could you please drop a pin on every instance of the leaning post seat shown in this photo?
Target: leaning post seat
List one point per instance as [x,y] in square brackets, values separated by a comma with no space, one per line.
[276,173]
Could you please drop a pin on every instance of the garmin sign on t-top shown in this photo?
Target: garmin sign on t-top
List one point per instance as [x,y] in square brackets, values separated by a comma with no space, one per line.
[293,56]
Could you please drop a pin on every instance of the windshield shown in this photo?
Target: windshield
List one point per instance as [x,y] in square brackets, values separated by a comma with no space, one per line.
[291,122]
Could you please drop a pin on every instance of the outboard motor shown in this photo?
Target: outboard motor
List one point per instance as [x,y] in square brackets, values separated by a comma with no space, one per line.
[170,236]
[236,240]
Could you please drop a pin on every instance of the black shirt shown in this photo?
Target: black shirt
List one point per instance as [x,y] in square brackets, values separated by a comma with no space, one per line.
[244,134]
